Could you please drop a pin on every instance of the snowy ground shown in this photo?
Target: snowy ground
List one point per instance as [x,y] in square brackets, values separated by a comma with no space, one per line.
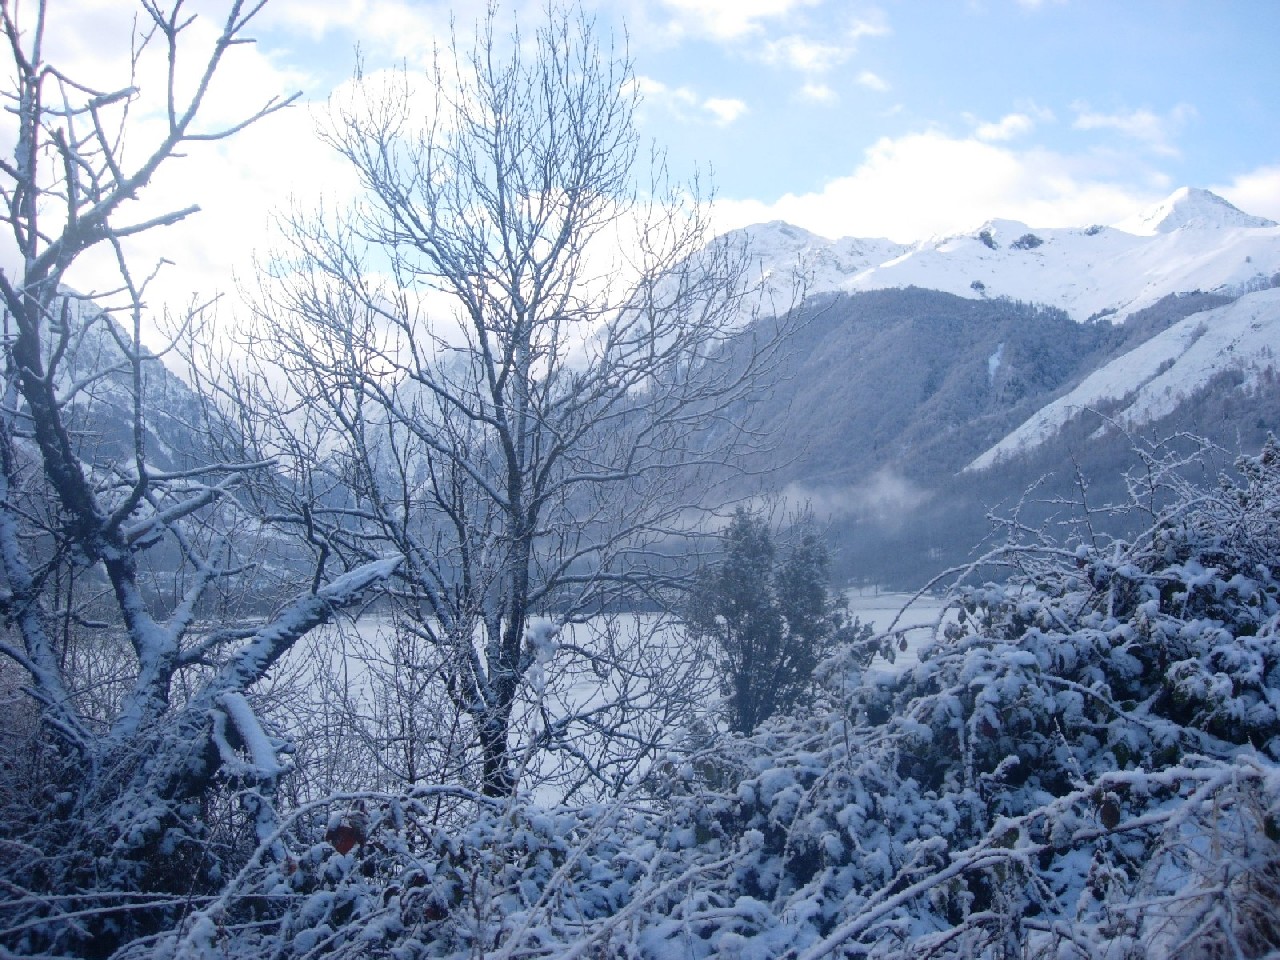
[658,667]
[917,619]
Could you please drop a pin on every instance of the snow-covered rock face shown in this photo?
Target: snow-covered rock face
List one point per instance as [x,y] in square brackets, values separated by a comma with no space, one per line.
[793,263]
[1194,240]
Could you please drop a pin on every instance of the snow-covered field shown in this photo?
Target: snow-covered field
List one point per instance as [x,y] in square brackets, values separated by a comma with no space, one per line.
[663,642]
[918,619]
[647,680]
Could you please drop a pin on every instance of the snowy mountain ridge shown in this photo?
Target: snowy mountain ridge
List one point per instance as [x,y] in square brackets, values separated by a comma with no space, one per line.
[1192,240]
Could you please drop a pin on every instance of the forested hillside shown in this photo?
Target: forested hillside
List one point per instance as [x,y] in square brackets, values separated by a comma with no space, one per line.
[885,398]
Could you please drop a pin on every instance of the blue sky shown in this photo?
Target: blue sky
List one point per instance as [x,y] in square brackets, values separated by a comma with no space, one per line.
[1177,90]
[899,119]
[911,118]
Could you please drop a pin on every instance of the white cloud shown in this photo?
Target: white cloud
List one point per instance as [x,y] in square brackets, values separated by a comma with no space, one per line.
[677,100]
[729,19]
[884,498]
[724,109]
[236,182]
[687,105]
[818,93]
[1009,127]
[808,56]
[401,29]
[1155,130]
[925,184]
[819,56]
[239,185]
[872,81]
[1256,192]
[872,26]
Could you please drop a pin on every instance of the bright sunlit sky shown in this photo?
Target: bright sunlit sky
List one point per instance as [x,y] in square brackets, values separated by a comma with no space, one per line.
[899,119]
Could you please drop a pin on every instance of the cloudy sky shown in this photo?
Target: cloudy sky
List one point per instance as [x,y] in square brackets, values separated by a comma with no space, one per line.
[903,119]
[909,118]
[913,118]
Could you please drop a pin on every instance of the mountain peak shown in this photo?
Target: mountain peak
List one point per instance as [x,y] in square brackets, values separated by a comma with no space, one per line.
[781,231]
[1190,207]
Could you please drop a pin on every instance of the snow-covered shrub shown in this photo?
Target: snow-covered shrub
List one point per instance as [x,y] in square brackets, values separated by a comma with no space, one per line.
[1085,763]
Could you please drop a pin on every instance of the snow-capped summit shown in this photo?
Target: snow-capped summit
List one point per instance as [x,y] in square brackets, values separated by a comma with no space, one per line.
[1193,240]
[793,262]
[1189,207]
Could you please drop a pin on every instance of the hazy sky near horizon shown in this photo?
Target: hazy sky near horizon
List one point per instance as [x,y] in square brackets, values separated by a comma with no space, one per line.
[904,118]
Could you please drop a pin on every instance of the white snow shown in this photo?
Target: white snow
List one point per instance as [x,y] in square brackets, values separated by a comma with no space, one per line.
[794,263]
[1194,240]
[993,361]
[1191,241]
[262,752]
[1189,207]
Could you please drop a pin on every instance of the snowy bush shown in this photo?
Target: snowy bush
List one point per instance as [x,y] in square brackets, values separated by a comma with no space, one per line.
[1084,764]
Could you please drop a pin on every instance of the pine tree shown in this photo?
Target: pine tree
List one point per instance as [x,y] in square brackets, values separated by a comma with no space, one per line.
[771,621]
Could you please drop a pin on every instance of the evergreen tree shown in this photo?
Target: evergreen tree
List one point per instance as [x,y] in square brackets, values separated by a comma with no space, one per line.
[771,621]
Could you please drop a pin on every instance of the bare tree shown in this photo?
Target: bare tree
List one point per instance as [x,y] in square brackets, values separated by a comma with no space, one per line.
[110,548]
[512,356]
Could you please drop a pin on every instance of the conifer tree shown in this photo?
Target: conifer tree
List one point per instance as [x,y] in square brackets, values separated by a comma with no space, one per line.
[771,621]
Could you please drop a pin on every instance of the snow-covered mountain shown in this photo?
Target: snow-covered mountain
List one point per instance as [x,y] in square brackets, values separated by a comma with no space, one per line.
[929,383]
[1190,207]
[1193,240]
[1152,380]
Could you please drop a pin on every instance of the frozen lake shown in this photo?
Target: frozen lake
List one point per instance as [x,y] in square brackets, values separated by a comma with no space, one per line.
[612,694]
[885,611]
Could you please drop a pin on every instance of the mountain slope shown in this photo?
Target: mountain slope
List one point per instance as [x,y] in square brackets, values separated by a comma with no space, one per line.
[1150,382]
[1190,207]
[95,386]
[889,395]
[914,380]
